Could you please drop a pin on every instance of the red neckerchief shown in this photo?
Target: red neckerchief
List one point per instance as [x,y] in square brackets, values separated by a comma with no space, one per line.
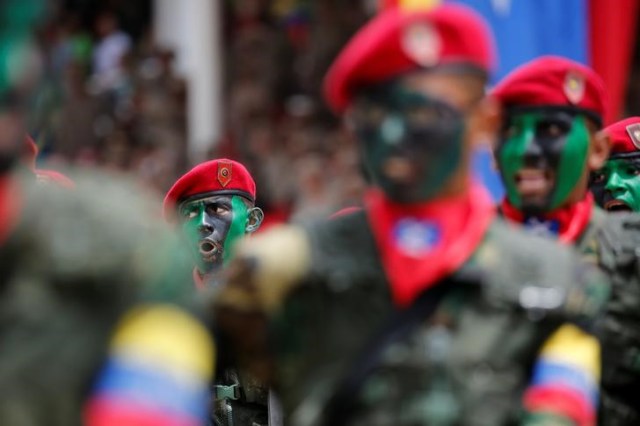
[198,280]
[572,220]
[421,243]
[10,205]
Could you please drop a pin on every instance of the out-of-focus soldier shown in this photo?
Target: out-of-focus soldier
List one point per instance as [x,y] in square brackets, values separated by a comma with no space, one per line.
[424,308]
[95,326]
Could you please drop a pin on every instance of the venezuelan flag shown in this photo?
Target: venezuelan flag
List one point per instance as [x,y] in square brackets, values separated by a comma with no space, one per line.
[566,377]
[157,372]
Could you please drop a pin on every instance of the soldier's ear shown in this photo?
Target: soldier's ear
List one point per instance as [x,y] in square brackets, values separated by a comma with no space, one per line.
[254,220]
[486,121]
[598,151]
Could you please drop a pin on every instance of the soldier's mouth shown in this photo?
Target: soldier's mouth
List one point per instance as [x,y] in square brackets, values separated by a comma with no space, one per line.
[617,206]
[398,169]
[534,182]
[209,250]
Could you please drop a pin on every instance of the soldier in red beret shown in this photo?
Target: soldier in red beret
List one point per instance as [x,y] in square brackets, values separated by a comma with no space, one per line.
[214,203]
[552,112]
[617,185]
[549,143]
[422,308]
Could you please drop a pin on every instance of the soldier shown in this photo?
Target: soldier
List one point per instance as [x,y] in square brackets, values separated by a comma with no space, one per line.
[548,145]
[93,326]
[617,185]
[422,308]
[214,205]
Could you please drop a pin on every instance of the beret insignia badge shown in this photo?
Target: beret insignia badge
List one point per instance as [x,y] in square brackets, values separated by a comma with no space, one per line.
[574,87]
[633,130]
[224,172]
[421,43]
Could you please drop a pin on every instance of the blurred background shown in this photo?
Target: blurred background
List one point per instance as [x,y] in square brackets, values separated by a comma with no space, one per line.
[151,87]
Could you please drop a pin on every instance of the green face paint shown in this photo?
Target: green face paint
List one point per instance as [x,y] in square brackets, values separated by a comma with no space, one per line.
[542,156]
[411,144]
[238,226]
[212,226]
[618,183]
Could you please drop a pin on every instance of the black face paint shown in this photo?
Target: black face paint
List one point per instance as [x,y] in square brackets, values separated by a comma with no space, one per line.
[411,144]
[541,155]
[212,225]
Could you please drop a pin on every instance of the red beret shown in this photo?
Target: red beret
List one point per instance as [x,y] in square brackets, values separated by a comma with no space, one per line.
[215,176]
[398,41]
[554,81]
[625,136]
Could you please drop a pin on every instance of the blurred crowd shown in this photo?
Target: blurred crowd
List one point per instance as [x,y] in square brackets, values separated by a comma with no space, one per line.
[112,100]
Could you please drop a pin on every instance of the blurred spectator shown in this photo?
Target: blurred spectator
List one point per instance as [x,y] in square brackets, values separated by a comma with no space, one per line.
[118,104]
[112,47]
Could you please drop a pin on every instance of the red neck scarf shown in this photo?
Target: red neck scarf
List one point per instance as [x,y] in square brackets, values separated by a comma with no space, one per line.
[10,206]
[422,243]
[568,223]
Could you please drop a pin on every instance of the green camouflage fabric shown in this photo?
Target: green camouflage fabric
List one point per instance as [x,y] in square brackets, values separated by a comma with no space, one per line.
[75,263]
[467,364]
[613,241]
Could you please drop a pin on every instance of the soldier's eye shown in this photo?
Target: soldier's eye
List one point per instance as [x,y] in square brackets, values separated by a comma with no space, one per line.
[551,130]
[597,178]
[218,209]
[421,116]
[510,131]
[189,214]
[370,114]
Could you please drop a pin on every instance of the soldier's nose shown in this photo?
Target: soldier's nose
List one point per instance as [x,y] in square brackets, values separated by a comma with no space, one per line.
[614,184]
[205,229]
[533,151]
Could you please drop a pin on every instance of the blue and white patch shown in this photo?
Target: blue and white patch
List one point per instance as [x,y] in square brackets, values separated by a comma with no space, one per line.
[541,227]
[415,237]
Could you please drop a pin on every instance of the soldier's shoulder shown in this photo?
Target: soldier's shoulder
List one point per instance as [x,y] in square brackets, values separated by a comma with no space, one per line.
[617,238]
[105,230]
[537,273]
[518,246]
[622,228]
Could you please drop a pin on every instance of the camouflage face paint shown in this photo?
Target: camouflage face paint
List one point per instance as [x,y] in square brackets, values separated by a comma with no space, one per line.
[617,185]
[212,226]
[549,146]
[411,144]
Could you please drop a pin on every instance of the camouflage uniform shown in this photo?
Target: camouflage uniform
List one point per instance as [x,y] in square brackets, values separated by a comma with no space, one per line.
[552,111]
[75,264]
[469,363]
[614,240]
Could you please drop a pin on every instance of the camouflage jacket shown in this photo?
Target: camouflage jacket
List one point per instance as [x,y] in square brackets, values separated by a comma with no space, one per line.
[612,241]
[325,295]
[74,265]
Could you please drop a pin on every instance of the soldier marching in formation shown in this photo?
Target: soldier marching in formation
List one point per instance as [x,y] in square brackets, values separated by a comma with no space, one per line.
[214,205]
[427,306]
